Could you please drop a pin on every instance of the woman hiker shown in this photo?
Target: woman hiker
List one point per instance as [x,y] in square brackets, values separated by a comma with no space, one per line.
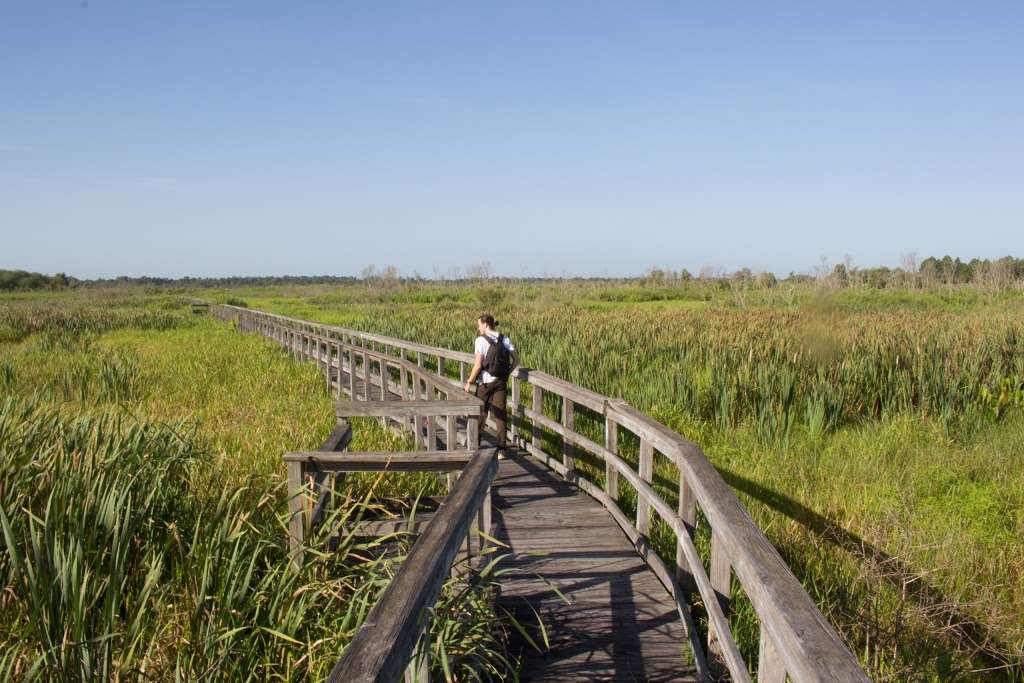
[495,360]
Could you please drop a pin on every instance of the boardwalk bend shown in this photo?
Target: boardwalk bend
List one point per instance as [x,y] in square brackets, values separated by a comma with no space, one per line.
[591,481]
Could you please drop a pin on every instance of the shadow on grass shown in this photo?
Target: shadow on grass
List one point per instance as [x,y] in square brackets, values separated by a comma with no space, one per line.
[944,613]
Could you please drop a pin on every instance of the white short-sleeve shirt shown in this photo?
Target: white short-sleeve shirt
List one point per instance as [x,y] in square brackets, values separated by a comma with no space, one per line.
[481,345]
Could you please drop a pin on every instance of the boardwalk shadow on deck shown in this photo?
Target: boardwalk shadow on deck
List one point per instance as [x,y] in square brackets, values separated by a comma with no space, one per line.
[569,566]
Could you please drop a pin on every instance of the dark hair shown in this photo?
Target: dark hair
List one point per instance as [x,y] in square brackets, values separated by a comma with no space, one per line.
[488,319]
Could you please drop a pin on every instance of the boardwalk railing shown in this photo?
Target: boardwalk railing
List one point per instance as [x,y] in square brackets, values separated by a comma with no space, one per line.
[795,638]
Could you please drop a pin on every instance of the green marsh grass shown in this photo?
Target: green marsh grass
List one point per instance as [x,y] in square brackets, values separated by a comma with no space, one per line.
[875,436]
[143,509]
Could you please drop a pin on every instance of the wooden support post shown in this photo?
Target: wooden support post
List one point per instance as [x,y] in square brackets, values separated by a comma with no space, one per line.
[337,356]
[440,365]
[611,442]
[687,513]
[538,407]
[486,522]
[462,372]
[327,365]
[513,431]
[297,511]
[770,668]
[366,376]
[418,670]
[472,433]
[352,373]
[567,447]
[721,582]
[402,380]
[451,434]
[643,506]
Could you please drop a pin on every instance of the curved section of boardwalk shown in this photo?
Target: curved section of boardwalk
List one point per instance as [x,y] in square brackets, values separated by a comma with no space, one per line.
[606,616]
[609,606]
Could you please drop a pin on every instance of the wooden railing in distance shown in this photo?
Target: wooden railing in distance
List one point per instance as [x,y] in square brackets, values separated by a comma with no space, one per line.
[795,638]
[393,638]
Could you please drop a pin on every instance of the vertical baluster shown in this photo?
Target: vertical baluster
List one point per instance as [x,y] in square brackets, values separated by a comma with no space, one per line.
[538,408]
[366,377]
[513,412]
[687,513]
[721,580]
[473,432]
[611,442]
[402,381]
[488,512]
[567,446]
[770,668]
[643,506]
[337,357]
[296,510]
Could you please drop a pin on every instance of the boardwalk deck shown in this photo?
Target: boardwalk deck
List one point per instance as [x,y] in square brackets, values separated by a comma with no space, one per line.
[605,614]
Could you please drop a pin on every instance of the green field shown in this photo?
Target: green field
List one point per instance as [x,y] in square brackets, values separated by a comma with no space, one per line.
[875,435]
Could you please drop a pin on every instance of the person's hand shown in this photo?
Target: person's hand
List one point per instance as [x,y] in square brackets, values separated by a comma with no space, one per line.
[468,389]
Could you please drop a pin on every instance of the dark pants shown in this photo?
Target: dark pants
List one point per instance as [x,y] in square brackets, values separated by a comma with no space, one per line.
[494,396]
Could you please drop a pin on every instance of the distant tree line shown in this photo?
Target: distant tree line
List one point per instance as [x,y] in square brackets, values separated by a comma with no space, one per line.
[22,280]
[992,275]
[233,281]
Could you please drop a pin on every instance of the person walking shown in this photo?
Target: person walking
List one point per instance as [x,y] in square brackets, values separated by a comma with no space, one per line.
[496,358]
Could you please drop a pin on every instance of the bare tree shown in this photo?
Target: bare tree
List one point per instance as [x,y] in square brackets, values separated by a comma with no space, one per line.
[479,271]
[909,263]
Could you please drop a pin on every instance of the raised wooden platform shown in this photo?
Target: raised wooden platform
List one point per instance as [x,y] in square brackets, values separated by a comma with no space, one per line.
[606,615]
[616,621]
[609,607]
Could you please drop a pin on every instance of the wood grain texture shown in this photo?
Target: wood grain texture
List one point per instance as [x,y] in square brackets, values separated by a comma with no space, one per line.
[384,644]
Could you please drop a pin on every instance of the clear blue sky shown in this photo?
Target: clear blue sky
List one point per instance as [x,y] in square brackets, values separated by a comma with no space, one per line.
[214,138]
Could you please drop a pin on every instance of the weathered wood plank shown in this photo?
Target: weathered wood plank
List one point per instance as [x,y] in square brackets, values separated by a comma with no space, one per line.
[418,461]
[418,408]
[384,644]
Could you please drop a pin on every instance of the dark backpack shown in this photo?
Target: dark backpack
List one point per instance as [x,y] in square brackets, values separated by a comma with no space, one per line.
[497,361]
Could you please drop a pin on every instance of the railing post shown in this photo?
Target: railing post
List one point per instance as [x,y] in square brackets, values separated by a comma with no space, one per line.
[538,408]
[567,446]
[451,433]
[687,513]
[511,414]
[352,373]
[611,442]
[721,582]
[473,432]
[770,668]
[418,670]
[327,364]
[403,382]
[486,517]
[337,356]
[646,470]
[366,376]
[297,511]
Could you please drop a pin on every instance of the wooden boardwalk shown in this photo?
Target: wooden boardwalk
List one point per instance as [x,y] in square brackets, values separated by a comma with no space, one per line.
[606,615]
[578,572]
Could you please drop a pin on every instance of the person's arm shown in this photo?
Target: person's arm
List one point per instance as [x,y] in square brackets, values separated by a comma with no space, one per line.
[474,373]
[515,360]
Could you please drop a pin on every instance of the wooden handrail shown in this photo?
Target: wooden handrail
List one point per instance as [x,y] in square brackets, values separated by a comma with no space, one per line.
[796,639]
[387,640]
